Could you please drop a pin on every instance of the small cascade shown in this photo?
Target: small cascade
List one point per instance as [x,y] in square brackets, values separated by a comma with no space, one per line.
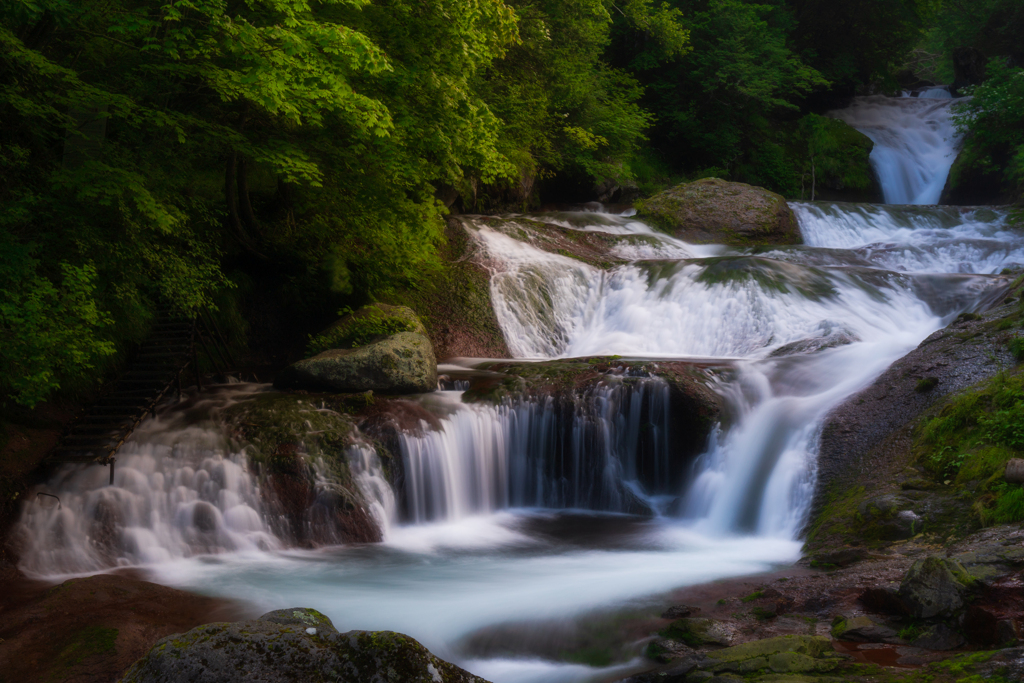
[183,489]
[730,306]
[607,449]
[169,500]
[915,143]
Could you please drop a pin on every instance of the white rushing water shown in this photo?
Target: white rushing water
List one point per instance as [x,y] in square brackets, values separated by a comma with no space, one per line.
[915,143]
[536,509]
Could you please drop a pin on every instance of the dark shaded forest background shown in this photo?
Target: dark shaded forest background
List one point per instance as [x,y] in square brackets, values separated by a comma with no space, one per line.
[273,161]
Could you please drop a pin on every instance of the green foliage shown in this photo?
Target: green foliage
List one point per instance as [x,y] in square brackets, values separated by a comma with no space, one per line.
[718,106]
[756,595]
[972,438]
[836,155]
[145,146]
[1009,507]
[563,109]
[993,121]
[912,631]
[48,332]
[860,41]
[370,324]
[994,27]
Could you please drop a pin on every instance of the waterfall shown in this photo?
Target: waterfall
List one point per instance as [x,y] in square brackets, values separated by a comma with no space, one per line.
[605,450]
[181,489]
[170,499]
[915,143]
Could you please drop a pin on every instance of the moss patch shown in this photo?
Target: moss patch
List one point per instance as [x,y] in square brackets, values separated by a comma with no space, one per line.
[88,642]
[365,326]
[967,440]
[455,305]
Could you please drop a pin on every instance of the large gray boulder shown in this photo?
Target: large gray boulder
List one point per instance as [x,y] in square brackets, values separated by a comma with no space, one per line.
[403,363]
[291,645]
[934,587]
[719,212]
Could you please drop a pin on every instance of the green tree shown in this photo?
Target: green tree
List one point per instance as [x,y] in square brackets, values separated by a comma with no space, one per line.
[992,121]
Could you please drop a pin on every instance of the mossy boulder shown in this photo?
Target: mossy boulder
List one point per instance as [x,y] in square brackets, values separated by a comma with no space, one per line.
[300,444]
[455,302]
[935,587]
[403,363]
[291,645]
[719,212]
[369,324]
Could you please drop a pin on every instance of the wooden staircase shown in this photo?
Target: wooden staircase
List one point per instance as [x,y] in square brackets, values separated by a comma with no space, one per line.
[96,434]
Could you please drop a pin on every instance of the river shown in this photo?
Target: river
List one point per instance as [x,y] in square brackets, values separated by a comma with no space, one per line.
[485,540]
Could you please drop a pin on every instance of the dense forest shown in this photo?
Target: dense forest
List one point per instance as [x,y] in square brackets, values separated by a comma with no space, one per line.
[284,159]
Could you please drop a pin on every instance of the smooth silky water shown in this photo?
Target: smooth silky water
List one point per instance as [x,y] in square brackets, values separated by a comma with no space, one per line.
[488,536]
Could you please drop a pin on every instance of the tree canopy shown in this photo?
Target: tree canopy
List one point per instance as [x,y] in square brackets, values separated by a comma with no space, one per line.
[301,155]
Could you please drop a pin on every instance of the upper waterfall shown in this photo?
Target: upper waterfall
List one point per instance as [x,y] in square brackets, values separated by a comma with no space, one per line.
[915,140]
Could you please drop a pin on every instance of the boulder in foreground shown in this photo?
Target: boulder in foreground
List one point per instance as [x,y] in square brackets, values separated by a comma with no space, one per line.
[403,363]
[291,645]
[714,211]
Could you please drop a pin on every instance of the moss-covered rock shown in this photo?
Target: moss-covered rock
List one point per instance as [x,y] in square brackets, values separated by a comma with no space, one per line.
[716,211]
[896,462]
[935,587]
[862,629]
[455,303]
[403,363]
[780,655]
[809,646]
[301,646]
[300,444]
[368,325]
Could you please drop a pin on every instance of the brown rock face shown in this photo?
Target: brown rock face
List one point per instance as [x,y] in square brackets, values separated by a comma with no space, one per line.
[719,212]
[92,629]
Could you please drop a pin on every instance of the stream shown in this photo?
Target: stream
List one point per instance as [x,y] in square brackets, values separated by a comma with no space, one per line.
[485,537]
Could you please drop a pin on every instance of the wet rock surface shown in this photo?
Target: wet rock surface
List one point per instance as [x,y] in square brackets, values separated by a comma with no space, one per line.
[934,587]
[300,444]
[400,364]
[289,645]
[856,618]
[869,487]
[720,212]
[92,629]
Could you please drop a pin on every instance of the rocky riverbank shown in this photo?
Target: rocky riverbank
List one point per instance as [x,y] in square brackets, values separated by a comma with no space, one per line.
[92,629]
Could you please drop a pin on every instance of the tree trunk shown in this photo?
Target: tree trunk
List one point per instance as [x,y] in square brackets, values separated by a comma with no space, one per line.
[231,196]
[244,202]
[814,179]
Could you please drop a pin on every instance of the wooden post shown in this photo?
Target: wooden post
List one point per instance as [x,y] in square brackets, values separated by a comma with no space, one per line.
[195,358]
[111,466]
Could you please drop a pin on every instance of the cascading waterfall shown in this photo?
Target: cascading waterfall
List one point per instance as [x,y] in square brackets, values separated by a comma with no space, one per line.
[180,490]
[536,453]
[915,143]
[801,328]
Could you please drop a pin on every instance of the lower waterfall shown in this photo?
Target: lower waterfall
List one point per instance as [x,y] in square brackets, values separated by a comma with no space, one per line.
[534,453]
